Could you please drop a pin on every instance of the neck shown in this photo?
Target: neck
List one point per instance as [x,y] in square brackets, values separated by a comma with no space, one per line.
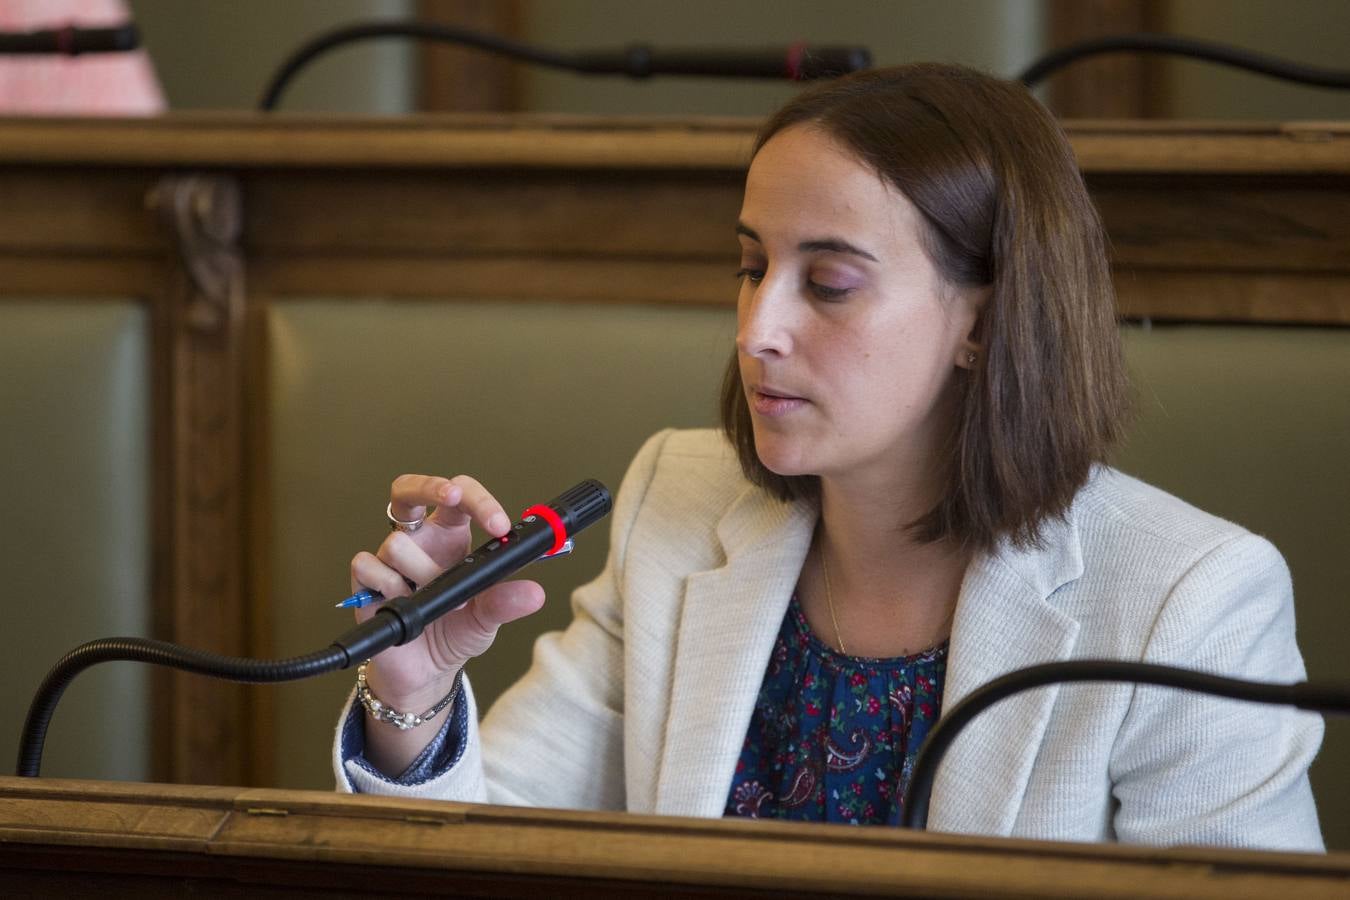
[868,539]
[871,511]
[876,565]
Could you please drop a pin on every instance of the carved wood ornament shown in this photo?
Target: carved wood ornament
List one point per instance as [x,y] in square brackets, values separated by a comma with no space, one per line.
[199,535]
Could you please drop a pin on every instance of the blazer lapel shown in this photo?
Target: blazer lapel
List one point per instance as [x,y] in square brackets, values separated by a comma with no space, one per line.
[730,618]
[1004,621]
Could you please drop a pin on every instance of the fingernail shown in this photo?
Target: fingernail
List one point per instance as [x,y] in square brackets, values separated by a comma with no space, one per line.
[447,492]
[499,524]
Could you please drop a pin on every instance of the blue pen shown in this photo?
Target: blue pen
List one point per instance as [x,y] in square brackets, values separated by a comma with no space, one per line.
[365,598]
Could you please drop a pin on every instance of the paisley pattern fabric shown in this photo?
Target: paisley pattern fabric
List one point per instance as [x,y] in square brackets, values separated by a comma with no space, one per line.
[833,737]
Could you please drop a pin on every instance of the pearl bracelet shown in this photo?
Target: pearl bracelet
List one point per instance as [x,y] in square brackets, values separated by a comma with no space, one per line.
[382,713]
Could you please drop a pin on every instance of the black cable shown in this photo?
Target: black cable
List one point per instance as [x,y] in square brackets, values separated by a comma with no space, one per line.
[800,62]
[1304,695]
[1189,47]
[424,30]
[160,653]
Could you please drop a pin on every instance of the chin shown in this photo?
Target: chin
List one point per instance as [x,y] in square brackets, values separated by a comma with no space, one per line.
[782,457]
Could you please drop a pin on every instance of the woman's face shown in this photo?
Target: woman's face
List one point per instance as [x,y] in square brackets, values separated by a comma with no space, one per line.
[848,340]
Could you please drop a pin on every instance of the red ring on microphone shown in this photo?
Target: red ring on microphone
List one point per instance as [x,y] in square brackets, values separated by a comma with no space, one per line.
[549,515]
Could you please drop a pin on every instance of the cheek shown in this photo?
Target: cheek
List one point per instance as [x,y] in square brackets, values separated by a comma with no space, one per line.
[906,369]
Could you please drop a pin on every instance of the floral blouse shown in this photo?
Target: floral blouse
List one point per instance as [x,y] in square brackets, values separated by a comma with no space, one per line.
[833,738]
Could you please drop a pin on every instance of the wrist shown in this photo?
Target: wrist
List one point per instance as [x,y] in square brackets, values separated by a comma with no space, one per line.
[424,701]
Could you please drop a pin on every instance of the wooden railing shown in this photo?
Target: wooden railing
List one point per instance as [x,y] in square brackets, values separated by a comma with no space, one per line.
[76,838]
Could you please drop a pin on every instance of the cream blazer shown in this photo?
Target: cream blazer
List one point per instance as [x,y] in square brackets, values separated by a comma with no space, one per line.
[643,702]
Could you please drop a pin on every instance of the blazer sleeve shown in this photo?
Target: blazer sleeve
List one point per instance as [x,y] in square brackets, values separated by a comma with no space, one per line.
[555,738]
[1195,769]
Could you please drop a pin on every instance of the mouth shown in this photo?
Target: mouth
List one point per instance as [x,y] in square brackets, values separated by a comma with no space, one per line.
[772,401]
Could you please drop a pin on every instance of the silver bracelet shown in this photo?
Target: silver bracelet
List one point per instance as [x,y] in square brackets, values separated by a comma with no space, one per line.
[382,713]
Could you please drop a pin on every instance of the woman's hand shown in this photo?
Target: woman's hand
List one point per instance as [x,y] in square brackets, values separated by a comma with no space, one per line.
[413,677]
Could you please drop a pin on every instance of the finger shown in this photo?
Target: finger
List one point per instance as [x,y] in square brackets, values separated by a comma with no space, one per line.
[475,503]
[401,553]
[369,573]
[410,495]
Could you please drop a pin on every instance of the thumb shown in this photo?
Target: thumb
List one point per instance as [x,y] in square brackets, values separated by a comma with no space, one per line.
[506,602]
[468,631]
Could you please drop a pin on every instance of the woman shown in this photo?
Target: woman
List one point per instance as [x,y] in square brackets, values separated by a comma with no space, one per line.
[908,498]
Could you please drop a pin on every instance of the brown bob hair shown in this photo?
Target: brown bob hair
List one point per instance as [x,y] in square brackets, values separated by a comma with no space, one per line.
[1004,207]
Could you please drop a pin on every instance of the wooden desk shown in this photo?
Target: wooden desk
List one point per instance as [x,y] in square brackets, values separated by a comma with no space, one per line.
[77,837]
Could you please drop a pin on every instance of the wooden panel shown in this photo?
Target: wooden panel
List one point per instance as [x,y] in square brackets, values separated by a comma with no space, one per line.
[1183,148]
[506,276]
[1218,223]
[1119,85]
[79,275]
[77,212]
[458,79]
[595,214]
[202,566]
[1209,296]
[257,141]
[317,842]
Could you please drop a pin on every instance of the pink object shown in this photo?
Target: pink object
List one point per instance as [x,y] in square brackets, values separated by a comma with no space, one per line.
[105,84]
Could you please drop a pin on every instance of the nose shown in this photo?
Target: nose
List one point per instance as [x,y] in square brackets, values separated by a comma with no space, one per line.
[763,320]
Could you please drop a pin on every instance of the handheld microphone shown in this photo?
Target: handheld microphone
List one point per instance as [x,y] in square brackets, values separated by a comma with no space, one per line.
[798,62]
[542,530]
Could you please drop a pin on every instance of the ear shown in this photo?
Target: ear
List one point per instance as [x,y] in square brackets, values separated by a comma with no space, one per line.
[973,301]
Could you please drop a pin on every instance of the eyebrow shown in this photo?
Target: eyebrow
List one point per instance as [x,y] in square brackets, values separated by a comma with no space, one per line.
[830,245]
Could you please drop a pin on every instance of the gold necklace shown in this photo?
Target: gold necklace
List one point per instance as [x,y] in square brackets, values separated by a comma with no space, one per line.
[829,601]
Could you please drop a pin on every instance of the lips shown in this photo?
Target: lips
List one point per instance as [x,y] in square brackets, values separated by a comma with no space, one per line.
[772,401]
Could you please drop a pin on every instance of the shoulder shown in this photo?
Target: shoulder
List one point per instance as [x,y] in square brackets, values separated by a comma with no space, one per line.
[1155,567]
[1118,514]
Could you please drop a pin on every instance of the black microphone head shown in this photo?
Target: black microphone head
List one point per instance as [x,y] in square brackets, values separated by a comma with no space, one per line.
[829,62]
[582,506]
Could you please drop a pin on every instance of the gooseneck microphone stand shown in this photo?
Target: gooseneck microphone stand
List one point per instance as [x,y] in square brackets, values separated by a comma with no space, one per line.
[799,62]
[542,531]
[1171,45]
[1304,695]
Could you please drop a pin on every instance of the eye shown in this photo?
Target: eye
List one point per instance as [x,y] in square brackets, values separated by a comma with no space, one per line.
[754,276]
[825,292]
